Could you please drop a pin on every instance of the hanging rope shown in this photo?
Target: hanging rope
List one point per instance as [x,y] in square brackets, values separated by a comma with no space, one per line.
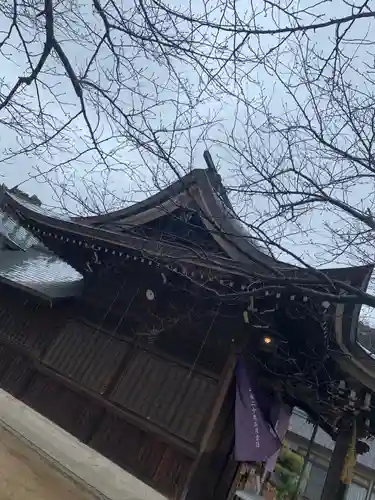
[204,342]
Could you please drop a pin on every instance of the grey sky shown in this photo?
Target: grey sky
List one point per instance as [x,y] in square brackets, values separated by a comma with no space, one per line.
[138,174]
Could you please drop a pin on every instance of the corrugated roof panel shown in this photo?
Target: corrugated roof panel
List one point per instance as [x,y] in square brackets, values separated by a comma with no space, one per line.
[31,266]
[41,272]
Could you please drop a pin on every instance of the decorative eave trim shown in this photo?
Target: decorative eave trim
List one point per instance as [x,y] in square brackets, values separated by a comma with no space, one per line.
[361,368]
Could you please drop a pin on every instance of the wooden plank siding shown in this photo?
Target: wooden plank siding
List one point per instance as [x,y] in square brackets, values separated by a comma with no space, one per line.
[146,412]
[86,355]
[71,411]
[145,455]
[28,323]
[166,394]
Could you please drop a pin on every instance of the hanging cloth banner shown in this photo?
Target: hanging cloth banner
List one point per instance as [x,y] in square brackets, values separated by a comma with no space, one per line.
[255,436]
[281,427]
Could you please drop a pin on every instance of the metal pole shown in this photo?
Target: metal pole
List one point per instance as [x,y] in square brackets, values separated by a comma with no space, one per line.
[306,460]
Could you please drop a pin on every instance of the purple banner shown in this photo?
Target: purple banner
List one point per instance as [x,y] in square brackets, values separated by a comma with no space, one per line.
[255,439]
[281,427]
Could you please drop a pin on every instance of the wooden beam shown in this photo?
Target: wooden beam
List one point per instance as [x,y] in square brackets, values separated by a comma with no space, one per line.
[128,416]
[197,482]
[223,385]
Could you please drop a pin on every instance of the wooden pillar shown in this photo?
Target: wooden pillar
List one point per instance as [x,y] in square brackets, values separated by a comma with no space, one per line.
[334,489]
[203,474]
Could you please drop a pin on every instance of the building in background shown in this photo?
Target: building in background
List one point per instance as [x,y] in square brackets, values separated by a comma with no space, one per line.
[298,437]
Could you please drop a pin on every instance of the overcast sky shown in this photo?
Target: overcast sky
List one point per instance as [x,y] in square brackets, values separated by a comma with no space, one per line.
[134,179]
[14,64]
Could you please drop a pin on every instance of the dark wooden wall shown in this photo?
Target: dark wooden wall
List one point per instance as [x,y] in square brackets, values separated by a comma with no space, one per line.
[159,419]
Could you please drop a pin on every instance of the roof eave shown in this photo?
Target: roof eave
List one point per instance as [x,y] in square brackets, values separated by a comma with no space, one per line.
[359,276]
[182,184]
[74,290]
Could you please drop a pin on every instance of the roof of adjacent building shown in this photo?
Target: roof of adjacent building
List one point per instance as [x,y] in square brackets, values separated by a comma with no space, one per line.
[26,264]
[39,273]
